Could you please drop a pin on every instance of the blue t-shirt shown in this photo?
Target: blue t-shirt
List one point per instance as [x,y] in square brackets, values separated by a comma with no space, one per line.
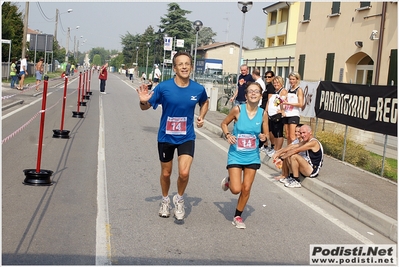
[178,105]
[246,150]
[242,84]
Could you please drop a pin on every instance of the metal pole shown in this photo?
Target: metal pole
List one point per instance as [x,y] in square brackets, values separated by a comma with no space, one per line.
[163,65]
[67,45]
[146,66]
[25,29]
[383,155]
[241,41]
[195,55]
[56,24]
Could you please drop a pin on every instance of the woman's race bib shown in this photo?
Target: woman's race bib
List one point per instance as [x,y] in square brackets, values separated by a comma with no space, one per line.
[246,142]
[176,125]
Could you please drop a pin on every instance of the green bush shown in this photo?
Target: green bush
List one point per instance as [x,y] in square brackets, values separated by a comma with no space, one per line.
[356,154]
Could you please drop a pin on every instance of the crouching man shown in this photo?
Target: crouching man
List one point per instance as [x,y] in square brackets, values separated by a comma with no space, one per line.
[308,166]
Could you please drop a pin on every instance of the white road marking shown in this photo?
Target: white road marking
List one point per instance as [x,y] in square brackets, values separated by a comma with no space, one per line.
[103,233]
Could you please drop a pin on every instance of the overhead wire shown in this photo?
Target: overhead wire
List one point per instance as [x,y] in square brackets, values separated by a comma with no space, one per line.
[42,13]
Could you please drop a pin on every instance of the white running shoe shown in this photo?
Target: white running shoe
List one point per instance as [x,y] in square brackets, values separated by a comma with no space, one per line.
[293,184]
[237,221]
[164,209]
[225,183]
[285,180]
[179,208]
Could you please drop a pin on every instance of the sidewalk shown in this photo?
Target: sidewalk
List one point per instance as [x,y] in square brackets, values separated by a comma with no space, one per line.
[363,195]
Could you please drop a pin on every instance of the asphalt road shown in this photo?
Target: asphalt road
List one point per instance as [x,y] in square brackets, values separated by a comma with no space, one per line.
[102,208]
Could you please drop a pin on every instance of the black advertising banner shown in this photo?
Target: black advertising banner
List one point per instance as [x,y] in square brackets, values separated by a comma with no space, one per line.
[372,108]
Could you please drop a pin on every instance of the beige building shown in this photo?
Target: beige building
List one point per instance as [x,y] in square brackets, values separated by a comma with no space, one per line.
[226,51]
[280,40]
[349,42]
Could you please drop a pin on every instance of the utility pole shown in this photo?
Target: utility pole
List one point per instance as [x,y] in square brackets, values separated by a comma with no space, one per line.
[25,29]
[67,45]
[56,24]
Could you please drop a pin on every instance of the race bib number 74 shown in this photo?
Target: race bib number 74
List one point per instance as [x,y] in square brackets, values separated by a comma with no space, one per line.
[176,125]
[246,142]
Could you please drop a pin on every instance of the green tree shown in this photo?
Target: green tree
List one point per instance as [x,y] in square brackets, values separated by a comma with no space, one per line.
[175,24]
[97,60]
[259,42]
[117,61]
[104,55]
[205,36]
[11,29]
[130,42]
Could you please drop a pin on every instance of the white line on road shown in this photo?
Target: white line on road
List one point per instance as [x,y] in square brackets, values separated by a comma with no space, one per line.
[308,203]
[103,233]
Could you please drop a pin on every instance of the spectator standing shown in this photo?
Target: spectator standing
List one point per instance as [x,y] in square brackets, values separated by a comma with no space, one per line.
[13,74]
[39,73]
[275,113]
[157,75]
[23,71]
[243,79]
[269,75]
[103,77]
[68,69]
[292,106]
[131,71]
[178,97]
[72,69]
[243,157]
[256,76]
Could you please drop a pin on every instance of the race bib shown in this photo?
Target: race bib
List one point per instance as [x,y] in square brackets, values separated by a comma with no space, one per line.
[246,142]
[176,125]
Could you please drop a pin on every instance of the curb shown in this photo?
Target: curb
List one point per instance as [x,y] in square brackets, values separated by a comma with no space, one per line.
[12,104]
[380,222]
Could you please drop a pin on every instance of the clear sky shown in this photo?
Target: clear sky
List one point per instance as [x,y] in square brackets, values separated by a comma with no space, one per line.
[102,24]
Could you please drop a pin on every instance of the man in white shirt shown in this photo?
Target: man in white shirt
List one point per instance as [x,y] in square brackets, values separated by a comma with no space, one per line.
[23,71]
[258,79]
[157,75]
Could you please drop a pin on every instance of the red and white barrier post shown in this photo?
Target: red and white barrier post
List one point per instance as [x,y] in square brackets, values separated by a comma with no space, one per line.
[78,114]
[40,177]
[61,133]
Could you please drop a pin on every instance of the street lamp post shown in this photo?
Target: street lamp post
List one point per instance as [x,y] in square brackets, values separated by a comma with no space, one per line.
[146,66]
[164,51]
[137,55]
[57,14]
[197,27]
[67,44]
[244,7]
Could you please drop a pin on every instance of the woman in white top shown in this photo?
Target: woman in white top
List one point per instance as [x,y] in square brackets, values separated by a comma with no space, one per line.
[274,111]
[292,106]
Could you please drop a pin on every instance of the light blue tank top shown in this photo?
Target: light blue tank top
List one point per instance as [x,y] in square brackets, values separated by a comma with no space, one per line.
[246,131]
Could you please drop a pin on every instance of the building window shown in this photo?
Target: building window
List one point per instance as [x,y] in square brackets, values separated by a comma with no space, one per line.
[364,6]
[284,15]
[301,66]
[335,9]
[306,13]
[279,71]
[393,68]
[329,67]
[273,18]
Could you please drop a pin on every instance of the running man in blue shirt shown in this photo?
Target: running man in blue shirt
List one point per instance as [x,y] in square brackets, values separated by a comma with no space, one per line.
[178,97]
